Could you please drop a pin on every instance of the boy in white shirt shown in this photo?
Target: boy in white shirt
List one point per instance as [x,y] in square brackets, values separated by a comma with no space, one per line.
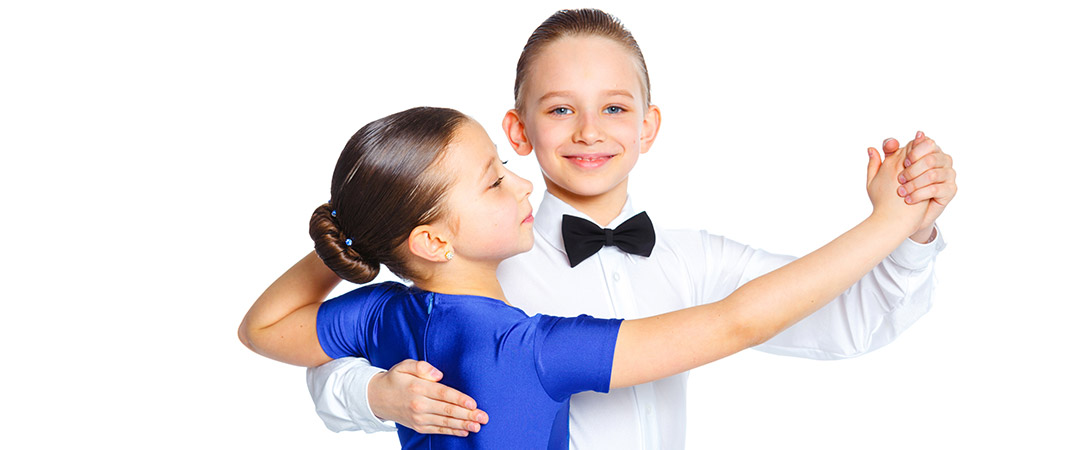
[582,105]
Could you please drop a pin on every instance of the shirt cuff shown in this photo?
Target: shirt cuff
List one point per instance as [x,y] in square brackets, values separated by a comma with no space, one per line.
[915,256]
[339,390]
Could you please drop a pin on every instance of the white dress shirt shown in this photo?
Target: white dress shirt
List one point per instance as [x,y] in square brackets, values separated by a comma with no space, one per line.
[686,268]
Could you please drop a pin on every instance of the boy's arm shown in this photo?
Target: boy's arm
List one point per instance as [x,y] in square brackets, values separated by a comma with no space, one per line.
[350,394]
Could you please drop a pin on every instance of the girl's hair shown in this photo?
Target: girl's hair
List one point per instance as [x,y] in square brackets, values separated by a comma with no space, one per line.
[577,22]
[383,187]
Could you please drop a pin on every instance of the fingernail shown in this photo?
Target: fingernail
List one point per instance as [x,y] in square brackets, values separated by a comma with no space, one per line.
[902,191]
[474,427]
[435,373]
[902,180]
[886,141]
[919,135]
[483,418]
[471,404]
[907,163]
[907,199]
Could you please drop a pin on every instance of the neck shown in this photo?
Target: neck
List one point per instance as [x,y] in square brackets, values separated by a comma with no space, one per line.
[602,208]
[462,277]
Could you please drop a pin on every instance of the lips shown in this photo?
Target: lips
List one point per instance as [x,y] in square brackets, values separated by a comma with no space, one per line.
[528,218]
[589,161]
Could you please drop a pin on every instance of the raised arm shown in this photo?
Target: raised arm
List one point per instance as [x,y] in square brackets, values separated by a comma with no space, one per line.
[281,323]
[354,395]
[660,346]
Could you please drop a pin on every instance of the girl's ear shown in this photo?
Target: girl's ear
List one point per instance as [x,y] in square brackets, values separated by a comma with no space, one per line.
[650,127]
[426,242]
[514,128]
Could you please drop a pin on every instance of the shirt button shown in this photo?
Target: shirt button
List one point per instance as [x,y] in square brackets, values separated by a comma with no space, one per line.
[615,276]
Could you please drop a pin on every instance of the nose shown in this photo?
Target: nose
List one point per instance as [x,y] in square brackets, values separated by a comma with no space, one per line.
[588,131]
[523,186]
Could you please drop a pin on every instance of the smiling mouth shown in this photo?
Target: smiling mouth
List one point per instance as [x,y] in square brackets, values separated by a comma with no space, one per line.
[590,158]
[589,161]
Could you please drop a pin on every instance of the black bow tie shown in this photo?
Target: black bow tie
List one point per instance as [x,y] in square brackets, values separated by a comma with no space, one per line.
[582,238]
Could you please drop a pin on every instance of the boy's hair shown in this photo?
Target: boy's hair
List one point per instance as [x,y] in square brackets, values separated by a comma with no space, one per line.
[578,22]
[384,185]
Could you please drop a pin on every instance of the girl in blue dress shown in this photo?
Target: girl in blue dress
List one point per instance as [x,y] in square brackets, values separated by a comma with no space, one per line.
[424,193]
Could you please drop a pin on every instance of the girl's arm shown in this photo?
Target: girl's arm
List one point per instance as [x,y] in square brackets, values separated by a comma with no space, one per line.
[281,326]
[281,323]
[660,346]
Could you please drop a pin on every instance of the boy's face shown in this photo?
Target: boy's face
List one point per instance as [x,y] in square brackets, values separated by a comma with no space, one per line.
[585,116]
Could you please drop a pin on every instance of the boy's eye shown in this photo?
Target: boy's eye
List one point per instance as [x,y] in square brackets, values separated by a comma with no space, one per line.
[562,110]
[614,109]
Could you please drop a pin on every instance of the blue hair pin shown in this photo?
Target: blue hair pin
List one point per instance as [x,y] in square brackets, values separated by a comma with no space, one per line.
[333,213]
[348,242]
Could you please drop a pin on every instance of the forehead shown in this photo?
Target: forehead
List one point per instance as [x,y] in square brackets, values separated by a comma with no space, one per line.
[470,150]
[583,64]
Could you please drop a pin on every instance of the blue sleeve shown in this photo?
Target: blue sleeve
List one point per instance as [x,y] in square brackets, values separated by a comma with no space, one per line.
[574,354]
[343,323]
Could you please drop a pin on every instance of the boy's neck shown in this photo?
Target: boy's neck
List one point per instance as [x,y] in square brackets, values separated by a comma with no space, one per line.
[602,208]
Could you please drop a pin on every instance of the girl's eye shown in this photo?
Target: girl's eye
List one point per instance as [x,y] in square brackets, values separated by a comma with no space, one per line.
[504,162]
[614,109]
[497,182]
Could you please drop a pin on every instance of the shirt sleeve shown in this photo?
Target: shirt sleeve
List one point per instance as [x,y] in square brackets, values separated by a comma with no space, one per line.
[339,390]
[574,354]
[868,315]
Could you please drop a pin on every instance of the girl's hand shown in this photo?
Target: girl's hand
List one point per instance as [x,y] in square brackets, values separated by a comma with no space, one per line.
[882,185]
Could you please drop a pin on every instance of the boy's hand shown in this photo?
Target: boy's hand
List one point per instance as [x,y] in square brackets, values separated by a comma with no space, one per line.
[928,175]
[409,394]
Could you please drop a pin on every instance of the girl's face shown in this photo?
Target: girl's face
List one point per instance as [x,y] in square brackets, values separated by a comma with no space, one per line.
[585,116]
[490,216]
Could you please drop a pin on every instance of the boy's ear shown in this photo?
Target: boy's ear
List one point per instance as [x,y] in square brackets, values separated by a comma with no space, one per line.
[650,127]
[514,128]
[426,242]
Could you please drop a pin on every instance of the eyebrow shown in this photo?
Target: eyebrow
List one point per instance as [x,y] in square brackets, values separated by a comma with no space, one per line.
[487,167]
[610,93]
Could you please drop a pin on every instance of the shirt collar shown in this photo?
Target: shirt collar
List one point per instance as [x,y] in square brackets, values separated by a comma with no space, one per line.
[547,222]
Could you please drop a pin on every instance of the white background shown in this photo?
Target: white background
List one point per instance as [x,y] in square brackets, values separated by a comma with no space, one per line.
[160,163]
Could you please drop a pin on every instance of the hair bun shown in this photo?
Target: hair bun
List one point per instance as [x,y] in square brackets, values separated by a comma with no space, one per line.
[344,260]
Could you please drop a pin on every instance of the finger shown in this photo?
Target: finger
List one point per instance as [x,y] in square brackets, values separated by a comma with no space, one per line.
[922,148]
[890,145]
[933,161]
[873,165]
[441,414]
[427,371]
[941,193]
[936,160]
[431,429]
[451,396]
[927,178]
[938,192]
